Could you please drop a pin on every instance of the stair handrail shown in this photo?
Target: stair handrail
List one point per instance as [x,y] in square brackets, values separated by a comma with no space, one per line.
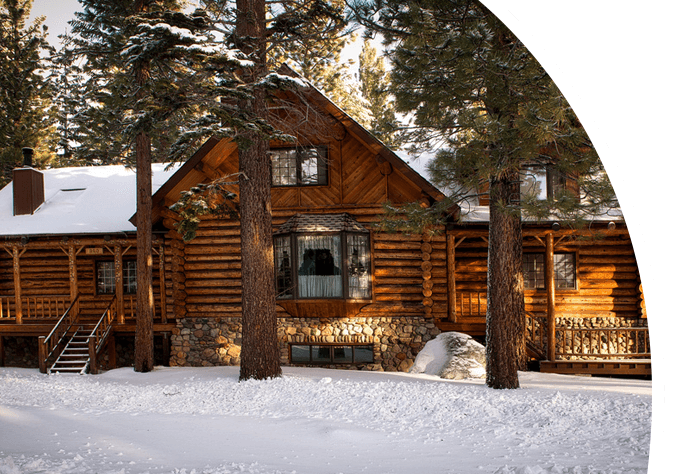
[99,334]
[53,340]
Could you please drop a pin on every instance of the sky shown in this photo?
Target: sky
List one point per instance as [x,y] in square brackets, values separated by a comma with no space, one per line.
[58,13]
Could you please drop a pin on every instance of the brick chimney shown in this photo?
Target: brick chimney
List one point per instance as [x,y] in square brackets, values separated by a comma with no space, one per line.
[27,185]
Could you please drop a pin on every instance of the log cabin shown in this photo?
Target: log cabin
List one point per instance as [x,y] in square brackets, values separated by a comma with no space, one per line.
[348,293]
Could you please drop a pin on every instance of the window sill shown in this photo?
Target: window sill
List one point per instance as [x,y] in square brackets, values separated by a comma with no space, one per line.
[323,308]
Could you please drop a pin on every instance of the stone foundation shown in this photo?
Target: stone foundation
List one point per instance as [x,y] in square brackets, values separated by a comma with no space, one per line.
[21,351]
[216,341]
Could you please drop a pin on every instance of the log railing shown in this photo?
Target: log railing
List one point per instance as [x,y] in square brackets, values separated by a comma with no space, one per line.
[36,308]
[49,344]
[6,308]
[469,304]
[98,337]
[601,343]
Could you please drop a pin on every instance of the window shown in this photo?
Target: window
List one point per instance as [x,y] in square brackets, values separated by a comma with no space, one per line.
[542,182]
[563,271]
[323,266]
[299,166]
[331,354]
[106,277]
[322,256]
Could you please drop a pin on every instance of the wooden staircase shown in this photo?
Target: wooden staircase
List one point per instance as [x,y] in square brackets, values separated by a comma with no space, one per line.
[77,343]
[75,356]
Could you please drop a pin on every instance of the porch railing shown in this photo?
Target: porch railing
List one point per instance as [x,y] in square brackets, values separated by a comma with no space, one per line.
[98,337]
[49,344]
[35,308]
[571,343]
[603,343]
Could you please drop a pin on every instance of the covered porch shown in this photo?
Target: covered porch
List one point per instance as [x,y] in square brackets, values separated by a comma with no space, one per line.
[53,287]
[598,320]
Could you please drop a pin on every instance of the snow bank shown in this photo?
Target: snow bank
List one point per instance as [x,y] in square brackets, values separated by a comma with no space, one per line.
[451,355]
[318,421]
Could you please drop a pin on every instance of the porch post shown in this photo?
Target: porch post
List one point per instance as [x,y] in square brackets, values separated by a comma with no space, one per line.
[161,268]
[18,283]
[72,272]
[451,277]
[550,298]
[119,282]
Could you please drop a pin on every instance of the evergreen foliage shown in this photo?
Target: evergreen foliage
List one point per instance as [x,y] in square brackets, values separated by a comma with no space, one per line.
[478,99]
[374,83]
[318,57]
[482,103]
[26,116]
[204,199]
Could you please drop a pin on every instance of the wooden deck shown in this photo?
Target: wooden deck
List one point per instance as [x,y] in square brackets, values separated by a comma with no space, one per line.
[635,367]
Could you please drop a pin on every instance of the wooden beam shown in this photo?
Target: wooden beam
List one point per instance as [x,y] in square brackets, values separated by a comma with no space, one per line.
[119,280]
[16,254]
[451,277]
[72,272]
[550,299]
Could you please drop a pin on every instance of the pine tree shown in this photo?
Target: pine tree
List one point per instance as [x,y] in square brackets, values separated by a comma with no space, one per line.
[476,93]
[374,86]
[155,71]
[25,108]
[151,69]
[318,59]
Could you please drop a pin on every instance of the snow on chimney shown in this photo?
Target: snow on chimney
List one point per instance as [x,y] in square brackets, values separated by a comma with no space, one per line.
[27,186]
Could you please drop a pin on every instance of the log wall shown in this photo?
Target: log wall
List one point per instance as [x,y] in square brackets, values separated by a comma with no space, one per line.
[45,277]
[608,289]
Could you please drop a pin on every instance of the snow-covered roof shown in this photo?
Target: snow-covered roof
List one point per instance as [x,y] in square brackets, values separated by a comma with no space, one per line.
[481,214]
[85,200]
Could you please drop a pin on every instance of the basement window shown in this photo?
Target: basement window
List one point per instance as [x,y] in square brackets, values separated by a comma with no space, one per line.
[331,354]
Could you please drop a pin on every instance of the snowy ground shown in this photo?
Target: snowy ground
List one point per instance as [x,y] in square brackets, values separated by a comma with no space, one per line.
[313,421]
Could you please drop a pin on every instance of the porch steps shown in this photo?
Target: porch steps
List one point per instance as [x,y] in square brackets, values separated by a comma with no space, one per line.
[75,357]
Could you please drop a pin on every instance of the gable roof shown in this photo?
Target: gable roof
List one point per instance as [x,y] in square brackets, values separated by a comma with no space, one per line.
[212,154]
[85,200]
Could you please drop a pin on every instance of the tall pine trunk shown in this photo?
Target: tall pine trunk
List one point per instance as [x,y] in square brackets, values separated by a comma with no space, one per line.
[143,356]
[259,356]
[505,337]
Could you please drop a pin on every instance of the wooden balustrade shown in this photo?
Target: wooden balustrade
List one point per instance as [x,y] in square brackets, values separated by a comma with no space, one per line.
[49,344]
[6,308]
[36,308]
[101,331]
[471,304]
[603,343]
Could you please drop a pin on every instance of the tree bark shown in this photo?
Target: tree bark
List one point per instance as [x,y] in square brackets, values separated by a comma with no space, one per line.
[144,355]
[505,336]
[260,355]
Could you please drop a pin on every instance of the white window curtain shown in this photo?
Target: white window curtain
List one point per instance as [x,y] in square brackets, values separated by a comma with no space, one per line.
[320,266]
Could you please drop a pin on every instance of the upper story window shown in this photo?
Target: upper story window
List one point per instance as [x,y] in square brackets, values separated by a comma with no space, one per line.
[542,182]
[106,277]
[322,256]
[303,166]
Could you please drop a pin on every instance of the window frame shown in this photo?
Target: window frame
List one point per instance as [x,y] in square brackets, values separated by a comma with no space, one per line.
[556,183]
[293,292]
[321,151]
[125,272]
[575,277]
[331,346]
